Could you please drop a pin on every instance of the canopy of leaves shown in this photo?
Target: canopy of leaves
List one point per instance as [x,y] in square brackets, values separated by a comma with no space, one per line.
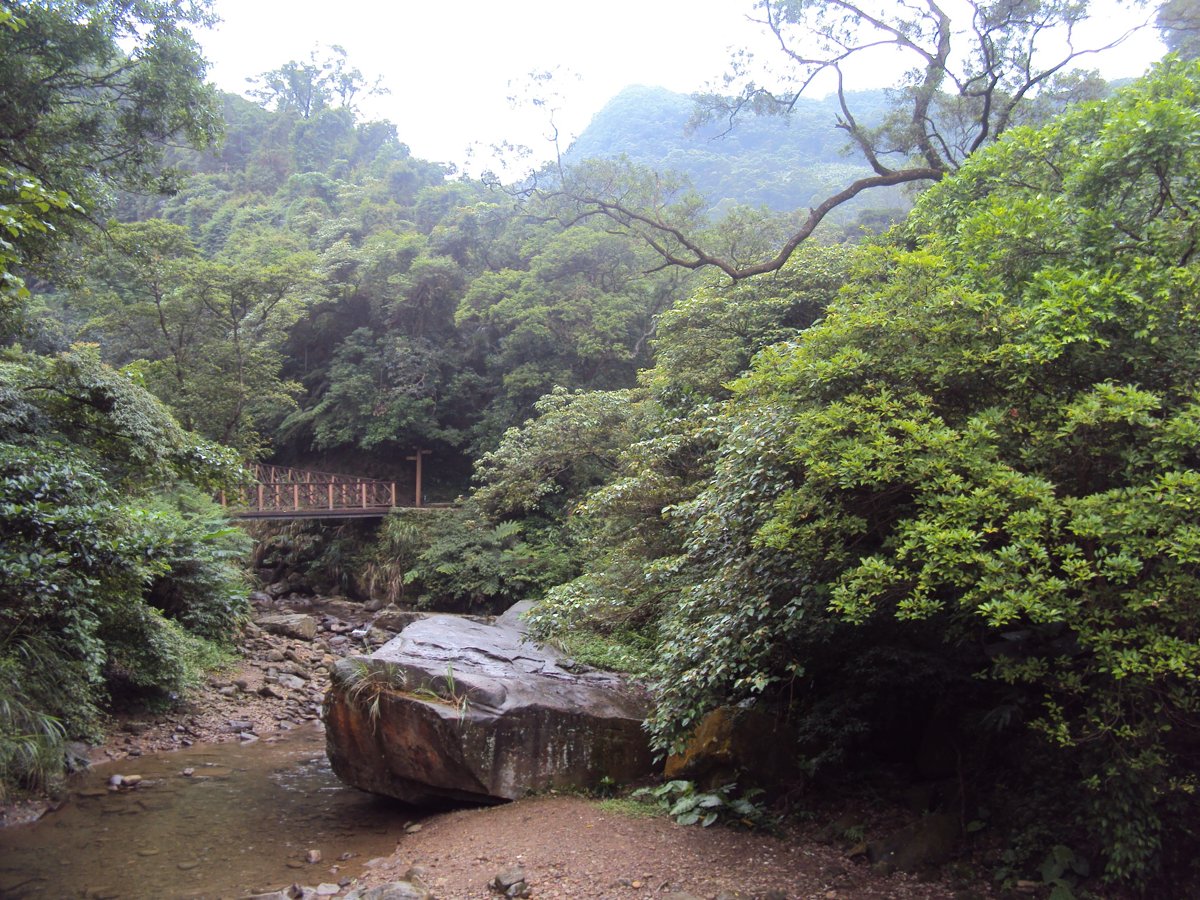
[1179,23]
[965,493]
[990,434]
[115,568]
[93,90]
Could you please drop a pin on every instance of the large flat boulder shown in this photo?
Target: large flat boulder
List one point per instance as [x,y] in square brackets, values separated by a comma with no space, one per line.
[453,709]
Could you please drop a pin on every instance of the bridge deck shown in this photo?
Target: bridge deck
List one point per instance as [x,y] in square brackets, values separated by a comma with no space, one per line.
[285,493]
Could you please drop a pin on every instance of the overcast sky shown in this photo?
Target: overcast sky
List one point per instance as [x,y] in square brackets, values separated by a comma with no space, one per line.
[452,65]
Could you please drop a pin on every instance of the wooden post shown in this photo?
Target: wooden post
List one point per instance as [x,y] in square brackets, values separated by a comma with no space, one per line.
[330,495]
[393,495]
[417,459]
[260,496]
[362,490]
[296,497]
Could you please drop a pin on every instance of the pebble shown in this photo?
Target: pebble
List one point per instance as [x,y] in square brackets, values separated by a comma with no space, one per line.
[312,856]
[186,866]
[325,889]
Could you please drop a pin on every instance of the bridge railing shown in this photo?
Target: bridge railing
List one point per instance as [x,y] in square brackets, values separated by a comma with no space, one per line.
[280,490]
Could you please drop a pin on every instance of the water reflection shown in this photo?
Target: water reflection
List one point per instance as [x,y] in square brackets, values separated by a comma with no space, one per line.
[243,821]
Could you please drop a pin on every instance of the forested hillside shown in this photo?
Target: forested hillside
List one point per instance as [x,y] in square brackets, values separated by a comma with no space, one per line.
[931,487]
[781,162]
[363,301]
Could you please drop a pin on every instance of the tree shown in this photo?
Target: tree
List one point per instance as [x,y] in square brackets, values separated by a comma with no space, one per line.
[613,466]
[306,88]
[1179,23]
[973,71]
[206,335]
[115,568]
[25,208]
[577,313]
[982,463]
[92,91]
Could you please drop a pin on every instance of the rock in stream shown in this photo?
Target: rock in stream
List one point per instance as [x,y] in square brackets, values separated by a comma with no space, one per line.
[456,710]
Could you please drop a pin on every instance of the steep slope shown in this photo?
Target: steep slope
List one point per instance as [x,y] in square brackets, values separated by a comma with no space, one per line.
[781,162]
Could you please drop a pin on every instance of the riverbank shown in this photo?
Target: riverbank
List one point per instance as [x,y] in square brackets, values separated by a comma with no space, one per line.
[566,846]
[573,847]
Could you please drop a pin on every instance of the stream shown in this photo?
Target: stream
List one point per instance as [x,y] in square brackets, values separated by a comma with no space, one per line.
[242,822]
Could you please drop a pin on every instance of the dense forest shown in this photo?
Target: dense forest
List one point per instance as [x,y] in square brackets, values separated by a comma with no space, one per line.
[882,483]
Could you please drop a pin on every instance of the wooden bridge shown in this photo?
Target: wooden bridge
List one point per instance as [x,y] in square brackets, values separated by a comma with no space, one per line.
[280,492]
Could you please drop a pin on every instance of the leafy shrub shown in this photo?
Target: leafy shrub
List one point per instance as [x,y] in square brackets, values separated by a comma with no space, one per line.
[688,805]
[203,582]
[31,740]
[87,552]
[473,562]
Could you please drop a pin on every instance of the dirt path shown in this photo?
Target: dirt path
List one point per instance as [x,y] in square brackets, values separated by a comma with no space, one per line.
[570,847]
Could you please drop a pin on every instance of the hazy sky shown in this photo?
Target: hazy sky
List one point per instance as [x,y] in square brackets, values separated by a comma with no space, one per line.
[452,65]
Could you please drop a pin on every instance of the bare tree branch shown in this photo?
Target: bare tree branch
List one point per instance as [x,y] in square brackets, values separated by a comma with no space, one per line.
[976,65]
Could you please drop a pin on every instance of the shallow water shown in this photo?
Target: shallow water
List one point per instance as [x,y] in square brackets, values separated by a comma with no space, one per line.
[242,823]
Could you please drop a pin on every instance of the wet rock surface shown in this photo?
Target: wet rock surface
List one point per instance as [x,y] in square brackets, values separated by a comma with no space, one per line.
[457,710]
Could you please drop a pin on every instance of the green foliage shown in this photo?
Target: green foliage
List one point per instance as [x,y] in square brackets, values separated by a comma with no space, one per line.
[202,557]
[630,808]
[327,555]
[26,208]
[1179,23]
[114,571]
[708,338]
[474,563]
[205,336]
[370,681]
[983,446]
[308,88]
[103,590]
[552,460]
[627,651]
[93,91]
[31,740]
[399,542]
[575,311]
[688,805]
